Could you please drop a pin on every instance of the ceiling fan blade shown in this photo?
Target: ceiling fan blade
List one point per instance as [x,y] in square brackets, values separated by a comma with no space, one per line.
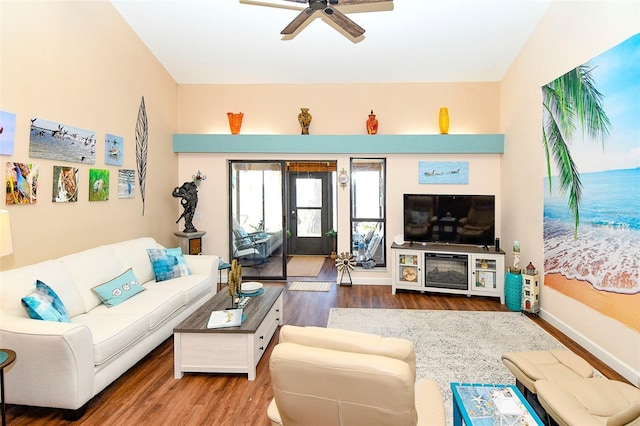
[282,4]
[345,23]
[354,2]
[298,21]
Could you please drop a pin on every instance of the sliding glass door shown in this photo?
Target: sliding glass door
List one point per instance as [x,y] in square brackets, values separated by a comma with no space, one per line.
[257,218]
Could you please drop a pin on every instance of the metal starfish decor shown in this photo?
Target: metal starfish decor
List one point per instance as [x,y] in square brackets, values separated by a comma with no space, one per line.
[345,262]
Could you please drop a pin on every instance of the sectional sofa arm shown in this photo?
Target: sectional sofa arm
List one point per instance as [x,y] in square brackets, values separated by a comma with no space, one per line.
[39,345]
[203,264]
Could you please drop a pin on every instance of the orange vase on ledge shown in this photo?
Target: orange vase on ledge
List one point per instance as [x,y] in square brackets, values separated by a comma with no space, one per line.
[444,121]
[235,122]
[372,124]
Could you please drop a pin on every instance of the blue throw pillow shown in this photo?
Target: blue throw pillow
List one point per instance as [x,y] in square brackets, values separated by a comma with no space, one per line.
[44,304]
[119,289]
[168,263]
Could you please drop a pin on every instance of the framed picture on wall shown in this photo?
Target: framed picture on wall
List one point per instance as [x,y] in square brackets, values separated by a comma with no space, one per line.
[443,172]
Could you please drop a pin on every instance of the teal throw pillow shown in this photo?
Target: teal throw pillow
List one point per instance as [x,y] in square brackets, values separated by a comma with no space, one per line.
[44,304]
[168,263]
[119,289]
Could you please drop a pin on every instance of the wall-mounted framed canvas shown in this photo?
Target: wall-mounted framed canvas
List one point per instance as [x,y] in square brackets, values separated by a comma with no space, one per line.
[113,150]
[57,141]
[65,184]
[98,185]
[7,132]
[21,183]
[126,183]
[443,172]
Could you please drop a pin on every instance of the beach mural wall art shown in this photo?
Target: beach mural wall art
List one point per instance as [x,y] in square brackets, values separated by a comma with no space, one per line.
[591,138]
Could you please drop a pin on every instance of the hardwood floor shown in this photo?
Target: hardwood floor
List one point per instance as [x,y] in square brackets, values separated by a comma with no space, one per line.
[148,393]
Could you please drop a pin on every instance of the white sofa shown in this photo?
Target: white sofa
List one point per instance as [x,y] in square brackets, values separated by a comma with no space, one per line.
[64,365]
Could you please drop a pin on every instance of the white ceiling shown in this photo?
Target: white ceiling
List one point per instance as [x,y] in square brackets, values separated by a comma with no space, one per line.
[227,42]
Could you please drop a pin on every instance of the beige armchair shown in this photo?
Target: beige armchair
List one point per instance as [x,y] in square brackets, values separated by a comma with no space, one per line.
[565,387]
[330,377]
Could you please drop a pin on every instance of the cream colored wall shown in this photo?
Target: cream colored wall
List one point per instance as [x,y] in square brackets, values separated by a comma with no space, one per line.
[79,64]
[336,109]
[569,34]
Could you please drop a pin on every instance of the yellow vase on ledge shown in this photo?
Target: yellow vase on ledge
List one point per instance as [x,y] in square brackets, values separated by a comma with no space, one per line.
[444,121]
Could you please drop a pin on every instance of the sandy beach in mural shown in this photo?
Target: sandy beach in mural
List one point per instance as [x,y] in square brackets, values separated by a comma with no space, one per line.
[621,307]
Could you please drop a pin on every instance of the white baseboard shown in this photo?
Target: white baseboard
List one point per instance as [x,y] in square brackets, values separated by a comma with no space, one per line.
[615,363]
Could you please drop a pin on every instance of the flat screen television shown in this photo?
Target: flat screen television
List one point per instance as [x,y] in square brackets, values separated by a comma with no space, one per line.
[460,219]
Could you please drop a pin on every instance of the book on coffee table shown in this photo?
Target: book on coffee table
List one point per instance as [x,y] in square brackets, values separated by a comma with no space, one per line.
[226,318]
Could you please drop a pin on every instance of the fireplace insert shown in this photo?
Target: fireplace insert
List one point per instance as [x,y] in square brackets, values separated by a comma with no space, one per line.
[446,270]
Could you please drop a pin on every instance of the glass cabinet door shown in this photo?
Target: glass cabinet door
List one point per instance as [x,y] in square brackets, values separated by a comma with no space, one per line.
[409,267]
[485,271]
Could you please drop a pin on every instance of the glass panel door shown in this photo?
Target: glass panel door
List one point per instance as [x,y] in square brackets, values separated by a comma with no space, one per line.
[257,218]
[310,213]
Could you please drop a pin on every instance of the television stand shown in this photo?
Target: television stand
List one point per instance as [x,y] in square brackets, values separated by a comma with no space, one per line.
[448,268]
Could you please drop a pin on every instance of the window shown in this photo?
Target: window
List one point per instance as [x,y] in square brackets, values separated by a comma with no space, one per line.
[368,195]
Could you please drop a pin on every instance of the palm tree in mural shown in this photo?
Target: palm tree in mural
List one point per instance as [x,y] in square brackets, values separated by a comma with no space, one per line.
[567,100]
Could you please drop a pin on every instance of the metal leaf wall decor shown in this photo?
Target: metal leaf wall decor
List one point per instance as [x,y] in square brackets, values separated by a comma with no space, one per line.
[142,139]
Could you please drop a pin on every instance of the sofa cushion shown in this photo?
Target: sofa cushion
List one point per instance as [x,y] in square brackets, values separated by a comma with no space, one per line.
[113,332]
[157,304]
[90,268]
[44,304]
[133,254]
[193,286]
[119,289]
[16,283]
[168,263]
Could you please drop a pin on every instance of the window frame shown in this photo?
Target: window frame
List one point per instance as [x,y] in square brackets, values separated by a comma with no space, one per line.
[380,222]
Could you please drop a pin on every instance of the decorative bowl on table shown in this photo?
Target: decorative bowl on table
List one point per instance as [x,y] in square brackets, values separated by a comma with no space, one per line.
[251,287]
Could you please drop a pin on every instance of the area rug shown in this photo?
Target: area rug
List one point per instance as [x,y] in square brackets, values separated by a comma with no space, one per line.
[310,286]
[452,346]
[304,266]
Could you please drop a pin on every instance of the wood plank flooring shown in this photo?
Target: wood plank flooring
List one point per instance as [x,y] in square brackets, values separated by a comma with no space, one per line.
[148,393]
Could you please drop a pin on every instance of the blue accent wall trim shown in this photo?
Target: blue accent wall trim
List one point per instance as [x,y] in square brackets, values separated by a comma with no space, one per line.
[341,144]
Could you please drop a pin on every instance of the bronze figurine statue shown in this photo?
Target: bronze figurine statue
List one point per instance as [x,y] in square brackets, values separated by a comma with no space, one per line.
[188,193]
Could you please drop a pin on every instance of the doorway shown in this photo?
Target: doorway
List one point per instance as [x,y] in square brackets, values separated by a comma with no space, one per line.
[311,207]
[280,209]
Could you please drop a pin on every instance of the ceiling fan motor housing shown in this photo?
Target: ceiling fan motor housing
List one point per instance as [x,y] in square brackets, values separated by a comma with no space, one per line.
[318,4]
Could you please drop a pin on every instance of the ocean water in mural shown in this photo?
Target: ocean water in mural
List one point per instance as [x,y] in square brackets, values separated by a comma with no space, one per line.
[607,252]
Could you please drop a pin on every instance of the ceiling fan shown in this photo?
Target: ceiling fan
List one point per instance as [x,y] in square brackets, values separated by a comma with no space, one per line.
[325,6]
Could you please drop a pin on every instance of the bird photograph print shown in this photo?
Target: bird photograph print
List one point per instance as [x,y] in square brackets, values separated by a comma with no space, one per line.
[21,183]
[57,141]
[126,183]
[65,184]
[98,185]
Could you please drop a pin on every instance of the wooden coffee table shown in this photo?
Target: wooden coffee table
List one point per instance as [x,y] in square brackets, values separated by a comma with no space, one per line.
[197,348]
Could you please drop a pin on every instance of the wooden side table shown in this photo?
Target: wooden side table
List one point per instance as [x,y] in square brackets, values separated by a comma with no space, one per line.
[7,357]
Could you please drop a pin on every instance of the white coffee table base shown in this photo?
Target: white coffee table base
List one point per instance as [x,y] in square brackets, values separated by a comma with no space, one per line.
[225,352]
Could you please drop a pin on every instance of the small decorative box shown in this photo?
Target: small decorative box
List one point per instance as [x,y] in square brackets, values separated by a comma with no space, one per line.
[506,412]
